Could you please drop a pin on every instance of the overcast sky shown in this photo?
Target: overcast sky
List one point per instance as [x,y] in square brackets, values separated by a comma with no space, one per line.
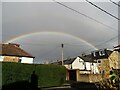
[41,27]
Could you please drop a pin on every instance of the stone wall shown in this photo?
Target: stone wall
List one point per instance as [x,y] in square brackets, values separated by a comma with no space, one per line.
[89,77]
[106,65]
[95,77]
[114,60]
[83,78]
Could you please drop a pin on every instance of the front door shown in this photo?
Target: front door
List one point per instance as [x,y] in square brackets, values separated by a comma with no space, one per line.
[72,75]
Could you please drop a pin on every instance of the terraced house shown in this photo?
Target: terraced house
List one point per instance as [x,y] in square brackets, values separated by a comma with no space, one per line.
[13,53]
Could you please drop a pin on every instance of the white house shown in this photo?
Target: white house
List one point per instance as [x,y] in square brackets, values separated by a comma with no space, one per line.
[13,53]
[84,63]
[90,63]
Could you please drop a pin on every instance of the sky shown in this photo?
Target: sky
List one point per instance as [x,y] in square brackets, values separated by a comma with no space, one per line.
[41,27]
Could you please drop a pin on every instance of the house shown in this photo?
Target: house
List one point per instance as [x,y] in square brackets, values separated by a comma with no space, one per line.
[83,63]
[90,63]
[13,53]
[81,68]
[94,66]
[109,59]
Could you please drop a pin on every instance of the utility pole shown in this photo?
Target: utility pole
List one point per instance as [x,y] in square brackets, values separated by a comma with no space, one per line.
[62,45]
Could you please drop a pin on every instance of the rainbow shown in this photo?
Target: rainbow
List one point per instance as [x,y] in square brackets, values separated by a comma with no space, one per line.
[50,33]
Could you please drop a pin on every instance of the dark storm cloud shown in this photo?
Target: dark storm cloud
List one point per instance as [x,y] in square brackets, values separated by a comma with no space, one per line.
[20,18]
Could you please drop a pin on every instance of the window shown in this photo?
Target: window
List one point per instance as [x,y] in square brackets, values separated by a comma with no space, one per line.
[92,64]
[81,60]
[94,53]
[99,61]
[20,59]
[1,57]
[102,53]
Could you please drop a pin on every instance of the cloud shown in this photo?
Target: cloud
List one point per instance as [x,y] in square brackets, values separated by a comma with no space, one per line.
[28,17]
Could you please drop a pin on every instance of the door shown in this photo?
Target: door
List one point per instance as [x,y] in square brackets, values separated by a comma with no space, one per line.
[72,75]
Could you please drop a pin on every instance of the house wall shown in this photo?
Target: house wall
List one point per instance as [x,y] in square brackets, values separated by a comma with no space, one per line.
[83,78]
[1,58]
[16,59]
[89,77]
[67,74]
[114,59]
[95,68]
[104,67]
[78,64]
[85,72]
[26,60]
[95,77]
[10,59]
[88,65]
[68,66]
[81,65]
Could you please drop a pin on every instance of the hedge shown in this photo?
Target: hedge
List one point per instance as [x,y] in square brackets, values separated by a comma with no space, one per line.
[48,75]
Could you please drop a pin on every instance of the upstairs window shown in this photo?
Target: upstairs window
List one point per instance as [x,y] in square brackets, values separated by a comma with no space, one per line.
[81,60]
[102,53]
[94,54]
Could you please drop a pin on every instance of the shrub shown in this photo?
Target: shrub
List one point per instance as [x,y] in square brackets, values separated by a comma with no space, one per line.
[48,75]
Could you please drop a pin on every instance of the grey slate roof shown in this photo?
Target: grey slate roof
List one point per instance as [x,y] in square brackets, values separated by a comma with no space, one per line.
[67,61]
[87,58]
[107,54]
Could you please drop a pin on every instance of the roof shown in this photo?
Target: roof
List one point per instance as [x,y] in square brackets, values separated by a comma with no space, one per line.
[13,50]
[117,50]
[87,58]
[107,53]
[67,61]
[118,46]
[91,58]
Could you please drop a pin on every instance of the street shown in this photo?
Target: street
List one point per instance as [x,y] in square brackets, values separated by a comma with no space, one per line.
[65,88]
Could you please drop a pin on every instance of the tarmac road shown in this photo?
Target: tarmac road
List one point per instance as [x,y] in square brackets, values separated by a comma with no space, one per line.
[59,89]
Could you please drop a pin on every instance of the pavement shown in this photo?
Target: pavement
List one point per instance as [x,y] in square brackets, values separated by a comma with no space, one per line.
[64,87]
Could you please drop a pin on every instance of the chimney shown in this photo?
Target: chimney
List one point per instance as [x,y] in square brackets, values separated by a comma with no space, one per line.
[15,44]
[83,54]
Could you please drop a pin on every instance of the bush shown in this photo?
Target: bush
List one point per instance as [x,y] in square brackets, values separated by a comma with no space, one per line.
[48,75]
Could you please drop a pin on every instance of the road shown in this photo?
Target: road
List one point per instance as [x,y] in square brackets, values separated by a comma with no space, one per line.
[74,86]
[59,88]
